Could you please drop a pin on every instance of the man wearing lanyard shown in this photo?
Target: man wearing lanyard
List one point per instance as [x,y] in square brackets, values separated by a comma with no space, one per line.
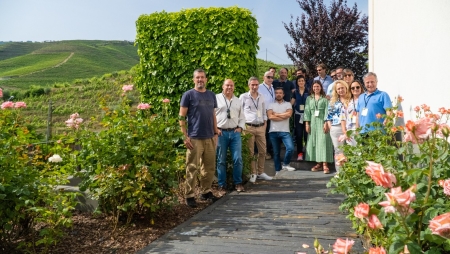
[371,103]
[268,93]
[256,117]
[323,77]
[230,121]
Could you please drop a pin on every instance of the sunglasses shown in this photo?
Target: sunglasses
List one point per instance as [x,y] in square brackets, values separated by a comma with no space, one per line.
[271,77]
[356,87]
[334,76]
[319,70]
[348,75]
[228,114]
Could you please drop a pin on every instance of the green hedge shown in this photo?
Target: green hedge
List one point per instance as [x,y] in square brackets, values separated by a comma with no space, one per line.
[222,41]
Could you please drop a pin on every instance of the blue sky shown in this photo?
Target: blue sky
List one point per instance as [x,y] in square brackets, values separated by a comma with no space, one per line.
[32,20]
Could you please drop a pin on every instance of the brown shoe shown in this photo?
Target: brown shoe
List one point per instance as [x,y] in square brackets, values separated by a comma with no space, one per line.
[222,191]
[240,188]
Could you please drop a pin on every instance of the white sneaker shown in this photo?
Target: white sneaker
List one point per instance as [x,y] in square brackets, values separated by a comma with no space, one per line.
[252,178]
[288,168]
[264,176]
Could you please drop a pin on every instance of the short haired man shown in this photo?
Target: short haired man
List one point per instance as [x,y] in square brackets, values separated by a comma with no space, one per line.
[266,89]
[256,117]
[339,72]
[371,103]
[273,70]
[197,106]
[287,86]
[231,122]
[333,74]
[322,76]
[279,113]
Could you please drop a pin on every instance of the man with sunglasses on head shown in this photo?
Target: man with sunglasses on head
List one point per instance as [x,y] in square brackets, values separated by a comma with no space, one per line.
[266,89]
[231,122]
[322,76]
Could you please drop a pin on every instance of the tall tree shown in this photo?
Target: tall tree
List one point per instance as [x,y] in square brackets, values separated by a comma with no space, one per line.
[334,35]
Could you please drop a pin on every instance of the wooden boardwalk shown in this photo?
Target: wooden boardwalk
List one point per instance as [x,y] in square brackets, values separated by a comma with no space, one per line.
[277,216]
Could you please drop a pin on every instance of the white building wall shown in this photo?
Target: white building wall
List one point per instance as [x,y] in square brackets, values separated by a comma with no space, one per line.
[409,50]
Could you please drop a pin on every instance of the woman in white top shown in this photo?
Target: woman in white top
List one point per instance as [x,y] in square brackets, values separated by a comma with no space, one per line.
[349,113]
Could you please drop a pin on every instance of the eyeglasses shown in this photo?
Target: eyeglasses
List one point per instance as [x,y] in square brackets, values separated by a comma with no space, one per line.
[356,87]
[334,76]
[348,75]
[271,77]
[228,114]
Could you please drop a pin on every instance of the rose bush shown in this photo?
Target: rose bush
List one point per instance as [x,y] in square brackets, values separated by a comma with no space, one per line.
[404,182]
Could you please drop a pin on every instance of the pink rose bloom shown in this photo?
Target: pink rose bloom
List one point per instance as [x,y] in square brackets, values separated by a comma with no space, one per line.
[166,100]
[381,178]
[440,225]
[126,88]
[422,127]
[74,116]
[417,109]
[74,123]
[361,210]
[374,222]
[377,250]
[1,93]
[342,246]
[403,198]
[143,106]
[442,110]
[7,104]
[425,107]
[20,104]
[446,186]
[340,159]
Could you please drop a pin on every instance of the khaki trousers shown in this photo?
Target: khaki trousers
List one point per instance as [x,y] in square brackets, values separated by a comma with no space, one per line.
[258,135]
[201,160]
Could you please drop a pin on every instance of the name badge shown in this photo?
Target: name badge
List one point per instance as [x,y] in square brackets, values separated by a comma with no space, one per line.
[364,112]
[316,113]
[353,119]
[232,114]
[301,119]
[259,114]
[302,107]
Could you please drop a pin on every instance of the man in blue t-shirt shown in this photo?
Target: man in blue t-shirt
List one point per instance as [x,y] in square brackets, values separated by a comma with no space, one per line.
[371,103]
[197,108]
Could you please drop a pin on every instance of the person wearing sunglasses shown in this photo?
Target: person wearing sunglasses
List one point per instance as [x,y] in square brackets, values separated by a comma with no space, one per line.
[349,76]
[339,75]
[349,114]
[266,89]
[231,122]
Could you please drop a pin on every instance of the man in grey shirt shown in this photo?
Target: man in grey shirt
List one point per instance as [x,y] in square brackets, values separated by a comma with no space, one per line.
[279,113]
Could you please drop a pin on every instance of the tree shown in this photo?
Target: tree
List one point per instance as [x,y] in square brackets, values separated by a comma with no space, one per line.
[334,36]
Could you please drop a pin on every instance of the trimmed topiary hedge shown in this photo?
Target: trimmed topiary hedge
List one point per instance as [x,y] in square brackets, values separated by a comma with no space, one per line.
[222,41]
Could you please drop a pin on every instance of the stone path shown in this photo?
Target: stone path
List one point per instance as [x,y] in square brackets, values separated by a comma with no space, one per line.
[277,216]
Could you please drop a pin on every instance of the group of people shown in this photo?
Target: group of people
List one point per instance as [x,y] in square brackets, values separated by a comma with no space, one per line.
[323,110]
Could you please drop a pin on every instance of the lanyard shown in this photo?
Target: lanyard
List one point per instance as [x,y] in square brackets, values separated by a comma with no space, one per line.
[257,101]
[231,101]
[270,90]
[316,103]
[368,98]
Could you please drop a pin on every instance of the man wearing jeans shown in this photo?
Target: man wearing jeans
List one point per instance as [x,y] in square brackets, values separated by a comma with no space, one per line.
[197,107]
[279,113]
[255,113]
[231,122]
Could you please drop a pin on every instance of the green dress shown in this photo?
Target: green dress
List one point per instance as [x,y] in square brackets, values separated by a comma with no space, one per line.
[319,147]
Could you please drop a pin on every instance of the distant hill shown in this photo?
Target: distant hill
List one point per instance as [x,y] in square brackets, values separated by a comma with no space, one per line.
[23,64]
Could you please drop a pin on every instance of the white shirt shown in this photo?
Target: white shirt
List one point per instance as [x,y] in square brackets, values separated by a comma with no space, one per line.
[268,93]
[254,109]
[236,113]
[280,126]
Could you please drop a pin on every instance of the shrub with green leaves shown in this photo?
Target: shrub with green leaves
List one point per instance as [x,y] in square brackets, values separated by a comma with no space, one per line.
[222,41]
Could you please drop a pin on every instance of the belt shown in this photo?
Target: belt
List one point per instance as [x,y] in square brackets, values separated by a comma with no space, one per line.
[229,129]
[255,125]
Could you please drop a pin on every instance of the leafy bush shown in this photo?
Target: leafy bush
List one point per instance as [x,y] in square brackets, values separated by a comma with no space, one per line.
[222,41]
[395,190]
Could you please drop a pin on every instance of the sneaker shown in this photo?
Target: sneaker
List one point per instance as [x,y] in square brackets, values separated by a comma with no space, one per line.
[191,202]
[264,176]
[276,173]
[253,178]
[268,157]
[209,197]
[240,188]
[300,157]
[288,168]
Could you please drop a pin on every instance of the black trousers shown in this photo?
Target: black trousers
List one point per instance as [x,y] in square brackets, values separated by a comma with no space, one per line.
[300,134]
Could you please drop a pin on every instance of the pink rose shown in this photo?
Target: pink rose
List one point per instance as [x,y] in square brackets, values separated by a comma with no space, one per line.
[381,178]
[74,116]
[166,100]
[20,104]
[417,109]
[74,121]
[377,250]
[7,104]
[342,246]
[340,159]
[440,225]
[442,110]
[425,107]
[403,198]
[1,93]
[143,106]
[361,210]
[126,88]
[374,222]
[446,186]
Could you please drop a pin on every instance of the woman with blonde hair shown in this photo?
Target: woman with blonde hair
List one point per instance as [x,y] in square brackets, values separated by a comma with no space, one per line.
[349,113]
[339,100]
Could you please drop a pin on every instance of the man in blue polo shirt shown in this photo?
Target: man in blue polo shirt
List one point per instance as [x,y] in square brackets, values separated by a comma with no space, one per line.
[371,103]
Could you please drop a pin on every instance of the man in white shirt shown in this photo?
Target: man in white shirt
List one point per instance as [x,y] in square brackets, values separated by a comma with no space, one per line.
[231,122]
[256,117]
[266,89]
[279,113]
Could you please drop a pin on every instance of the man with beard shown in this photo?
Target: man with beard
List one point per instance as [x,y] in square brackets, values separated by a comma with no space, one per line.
[200,138]
[287,86]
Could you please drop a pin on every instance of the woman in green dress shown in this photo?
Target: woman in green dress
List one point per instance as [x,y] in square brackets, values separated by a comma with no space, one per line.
[319,147]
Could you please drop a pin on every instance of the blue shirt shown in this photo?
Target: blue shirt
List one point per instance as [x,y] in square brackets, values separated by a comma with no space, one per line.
[299,100]
[325,81]
[335,112]
[287,87]
[200,113]
[375,103]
